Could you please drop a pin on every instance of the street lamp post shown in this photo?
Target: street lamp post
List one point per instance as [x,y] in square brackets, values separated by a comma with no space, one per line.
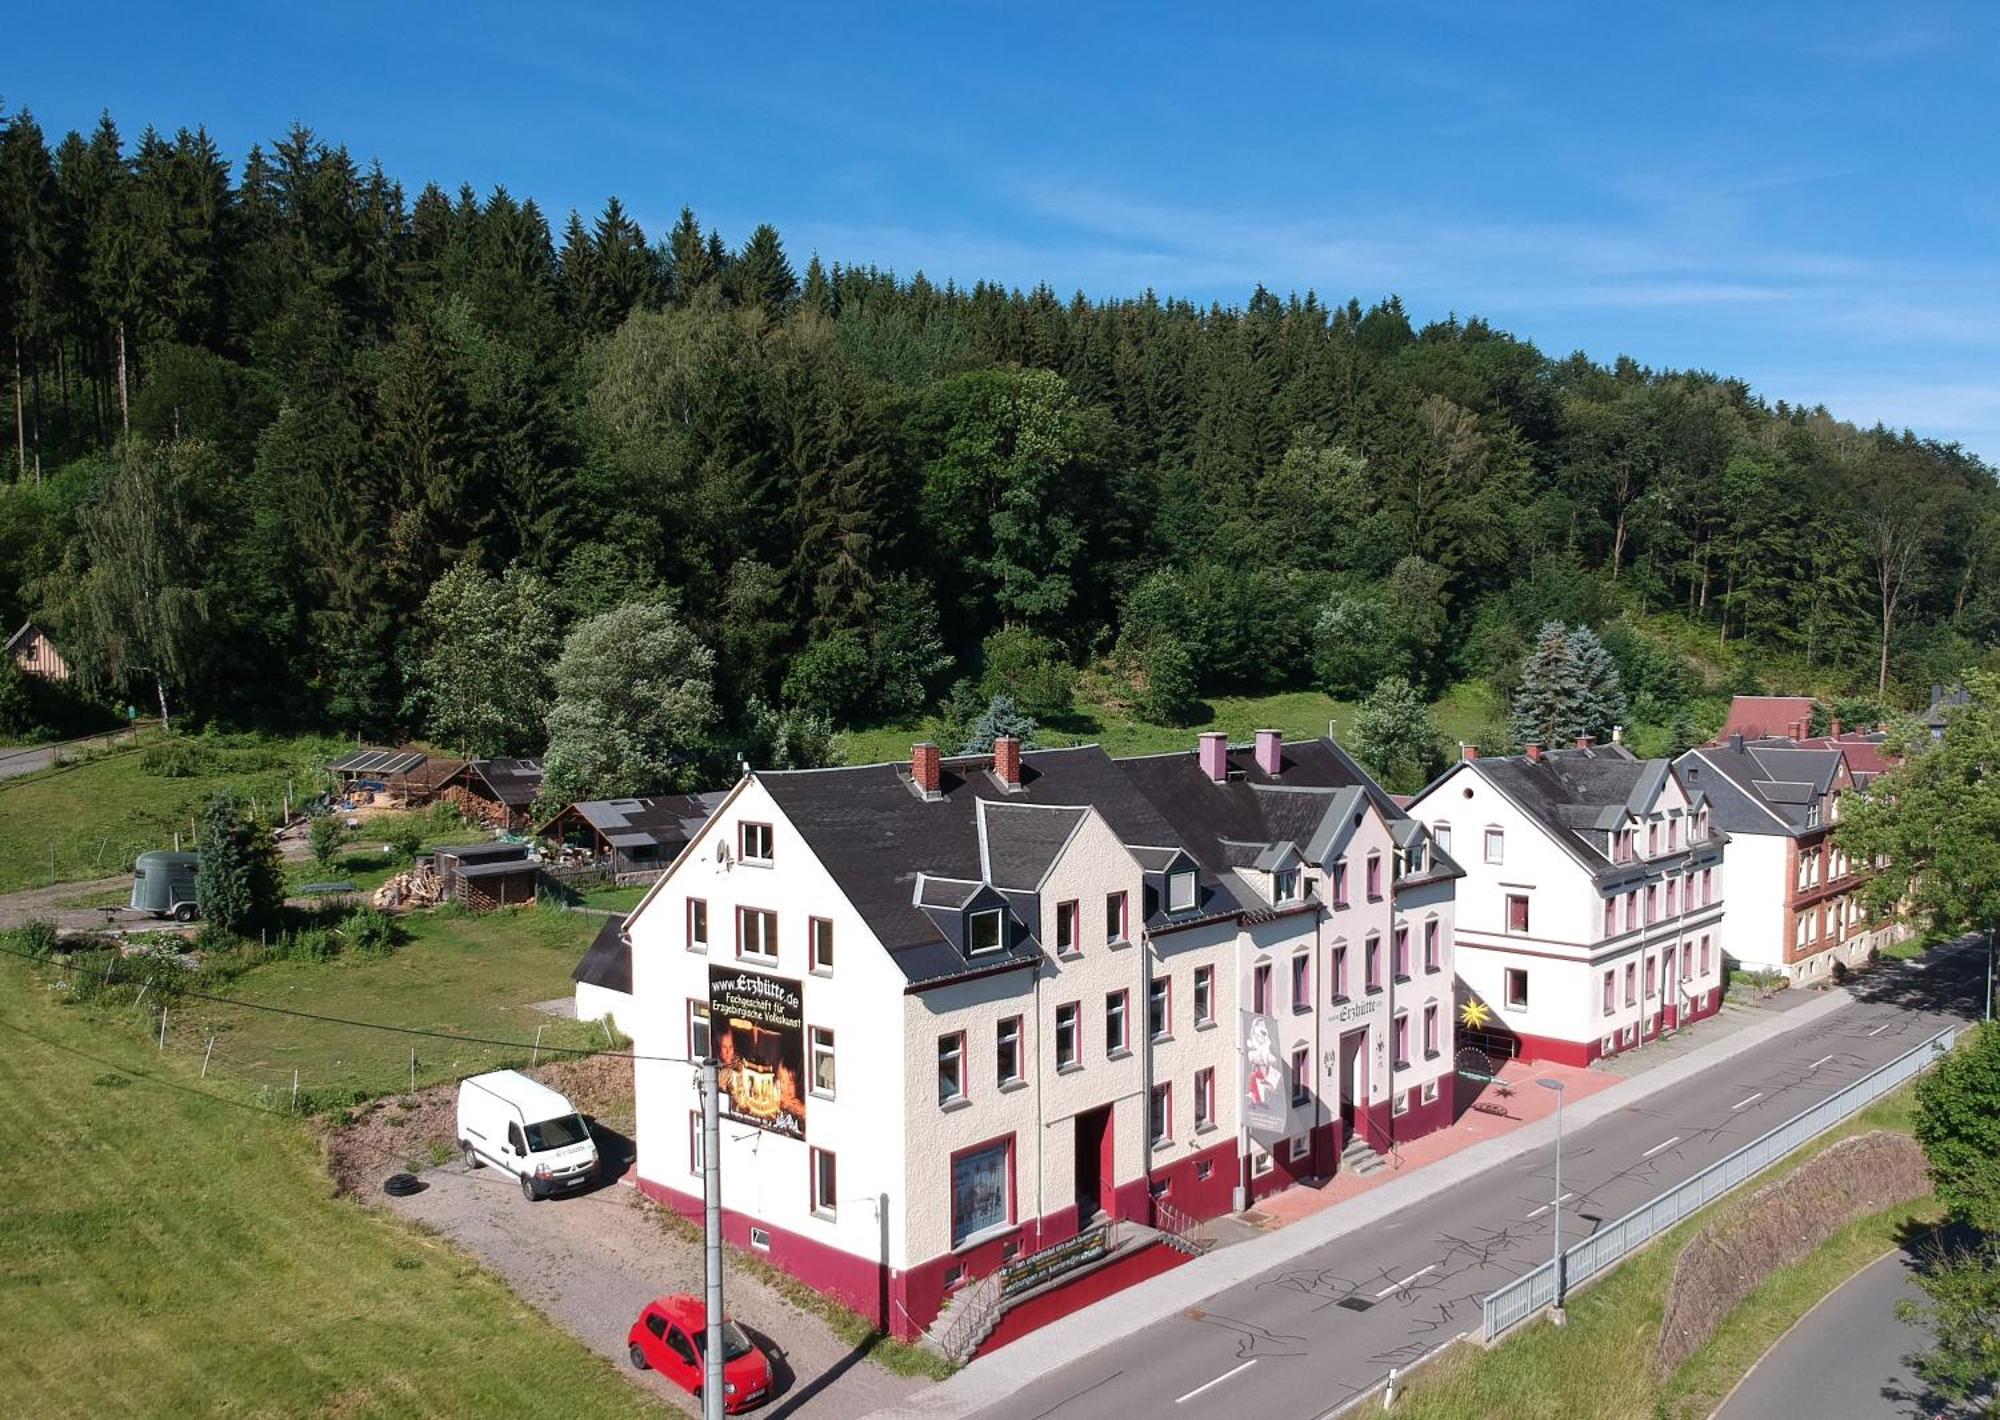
[1556,1311]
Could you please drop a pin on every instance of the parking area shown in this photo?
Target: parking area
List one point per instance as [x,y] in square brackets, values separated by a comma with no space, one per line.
[591,1261]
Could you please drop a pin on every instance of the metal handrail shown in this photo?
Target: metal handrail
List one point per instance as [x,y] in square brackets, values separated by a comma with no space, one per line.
[1507,1307]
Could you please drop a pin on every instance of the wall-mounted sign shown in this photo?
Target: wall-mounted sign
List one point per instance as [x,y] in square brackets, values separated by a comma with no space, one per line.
[1266,1095]
[1354,1010]
[758,1025]
[1025,1273]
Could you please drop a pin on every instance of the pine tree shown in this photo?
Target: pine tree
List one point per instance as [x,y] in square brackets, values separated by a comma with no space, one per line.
[1569,687]
[999,718]
[238,885]
[761,276]
[691,267]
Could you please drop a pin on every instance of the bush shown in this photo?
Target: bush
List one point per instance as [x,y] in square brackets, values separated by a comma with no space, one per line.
[324,838]
[177,757]
[832,677]
[307,944]
[369,933]
[1170,697]
[1029,668]
[446,817]
[404,840]
[37,937]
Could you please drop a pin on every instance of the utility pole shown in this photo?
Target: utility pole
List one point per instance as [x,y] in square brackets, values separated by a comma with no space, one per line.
[711,1189]
[1556,1311]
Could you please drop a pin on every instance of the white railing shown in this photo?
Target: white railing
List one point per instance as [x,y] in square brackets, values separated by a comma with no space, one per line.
[1527,1295]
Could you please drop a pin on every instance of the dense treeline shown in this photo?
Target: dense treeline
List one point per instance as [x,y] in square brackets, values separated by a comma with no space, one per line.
[259,414]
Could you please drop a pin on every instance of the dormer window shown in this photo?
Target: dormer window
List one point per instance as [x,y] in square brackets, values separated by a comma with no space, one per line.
[1414,862]
[1812,815]
[1180,891]
[984,933]
[1285,885]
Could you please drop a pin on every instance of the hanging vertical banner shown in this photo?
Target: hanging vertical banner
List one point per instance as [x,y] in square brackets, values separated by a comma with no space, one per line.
[1266,1096]
[759,1042]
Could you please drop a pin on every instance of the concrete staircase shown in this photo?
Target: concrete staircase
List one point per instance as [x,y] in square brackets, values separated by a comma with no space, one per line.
[1358,1158]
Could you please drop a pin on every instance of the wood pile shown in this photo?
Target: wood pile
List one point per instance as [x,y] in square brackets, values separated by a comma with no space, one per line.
[419,887]
[474,809]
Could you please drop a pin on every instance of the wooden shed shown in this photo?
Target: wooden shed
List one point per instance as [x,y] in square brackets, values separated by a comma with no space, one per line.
[507,786]
[488,875]
[35,654]
[632,839]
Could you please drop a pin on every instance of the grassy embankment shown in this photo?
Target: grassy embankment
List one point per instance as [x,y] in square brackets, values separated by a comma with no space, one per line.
[96,815]
[1600,1365]
[1467,712]
[457,973]
[174,1250]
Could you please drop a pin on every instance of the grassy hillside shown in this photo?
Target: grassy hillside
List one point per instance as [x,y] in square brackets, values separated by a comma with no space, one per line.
[172,1250]
[97,815]
[1465,713]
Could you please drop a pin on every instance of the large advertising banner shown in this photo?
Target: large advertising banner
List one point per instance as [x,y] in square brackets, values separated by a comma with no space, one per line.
[1266,1097]
[759,1042]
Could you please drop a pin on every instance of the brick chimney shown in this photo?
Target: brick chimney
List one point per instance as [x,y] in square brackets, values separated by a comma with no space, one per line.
[1007,761]
[1585,741]
[1270,751]
[1214,753]
[1466,751]
[924,769]
[1534,748]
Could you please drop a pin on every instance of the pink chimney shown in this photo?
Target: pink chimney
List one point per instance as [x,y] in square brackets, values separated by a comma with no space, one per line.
[1270,751]
[1214,754]
[1585,741]
[1534,751]
[1466,751]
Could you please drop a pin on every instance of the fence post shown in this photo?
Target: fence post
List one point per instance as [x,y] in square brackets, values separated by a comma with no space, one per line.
[210,1050]
[163,1027]
[1389,1390]
[413,1069]
[535,1059]
[295,1092]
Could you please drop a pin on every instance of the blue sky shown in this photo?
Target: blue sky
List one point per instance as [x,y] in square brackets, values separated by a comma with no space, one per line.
[1801,195]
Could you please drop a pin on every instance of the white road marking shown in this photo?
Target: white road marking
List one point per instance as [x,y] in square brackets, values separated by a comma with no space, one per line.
[1398,1286]
[1658,1147]
[1819,1062]
[1546,1206]
[1879,1029]
[1216,1382]
[1752,1100]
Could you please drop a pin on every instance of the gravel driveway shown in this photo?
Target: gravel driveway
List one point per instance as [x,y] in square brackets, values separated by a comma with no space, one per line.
[590,1262]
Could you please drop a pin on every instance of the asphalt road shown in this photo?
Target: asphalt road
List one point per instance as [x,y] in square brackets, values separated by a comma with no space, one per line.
[1300,1342]
[1844,1361]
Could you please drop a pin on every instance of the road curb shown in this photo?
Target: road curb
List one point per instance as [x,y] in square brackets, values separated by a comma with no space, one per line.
[994,1377]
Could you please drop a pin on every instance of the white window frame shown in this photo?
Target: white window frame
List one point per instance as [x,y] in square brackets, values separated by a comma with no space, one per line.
[951,1056]
[750,835]
[985,914]
[820,1040]
[1003,1039]
[821,1205]
[768,933]
[1204,996]
[1181,891]
[1508,977]
[1075,1060]
[1496,845]
[815,938]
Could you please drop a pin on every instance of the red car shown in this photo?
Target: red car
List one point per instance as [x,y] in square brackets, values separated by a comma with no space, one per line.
[671,1336]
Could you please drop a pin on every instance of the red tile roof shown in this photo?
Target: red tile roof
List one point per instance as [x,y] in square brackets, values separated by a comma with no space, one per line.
[1757,716]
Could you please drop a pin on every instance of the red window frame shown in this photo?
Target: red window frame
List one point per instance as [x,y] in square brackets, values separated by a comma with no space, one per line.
[1517,912]
[1371,961]
[1302,996]
[1433,935]
[1430,1030]
[1399,941]
[1118,916]
[1301,1075]
[1336,973]
[1260,988]
[1400,1039]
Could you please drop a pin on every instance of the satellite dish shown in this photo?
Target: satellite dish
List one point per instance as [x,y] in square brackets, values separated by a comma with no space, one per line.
[722,853]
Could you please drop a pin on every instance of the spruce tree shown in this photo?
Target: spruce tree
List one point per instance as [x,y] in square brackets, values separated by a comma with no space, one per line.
[761,276]
[237,883]
[1569,687]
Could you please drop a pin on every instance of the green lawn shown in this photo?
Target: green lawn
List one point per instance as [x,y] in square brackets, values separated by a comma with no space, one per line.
[97,815]
[459,973]
[172,1250]
[1465,713]
[1599,1366]
[616,899]
[365,860]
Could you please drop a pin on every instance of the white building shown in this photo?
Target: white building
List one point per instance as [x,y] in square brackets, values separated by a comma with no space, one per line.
[968,1006]
[1590,917]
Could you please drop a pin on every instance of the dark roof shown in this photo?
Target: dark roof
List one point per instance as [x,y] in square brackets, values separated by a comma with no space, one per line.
[497,868]
[875,835]
[493,851]
[27,628]
[608,963]
[378,763]
[514,782]
[1022,841]
[1578,795]
[1761,786]
[1246,822]
[670,821]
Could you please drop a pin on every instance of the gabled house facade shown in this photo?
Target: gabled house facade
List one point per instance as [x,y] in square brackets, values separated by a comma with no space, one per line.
[36,655]
[1796,909]
[967,1007]
[1590,917]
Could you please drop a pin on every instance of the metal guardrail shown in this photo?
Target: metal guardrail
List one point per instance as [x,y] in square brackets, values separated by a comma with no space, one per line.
[1521,1299]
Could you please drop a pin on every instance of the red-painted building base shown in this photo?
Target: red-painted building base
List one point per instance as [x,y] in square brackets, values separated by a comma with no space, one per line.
[1555,1050]
[902,1301]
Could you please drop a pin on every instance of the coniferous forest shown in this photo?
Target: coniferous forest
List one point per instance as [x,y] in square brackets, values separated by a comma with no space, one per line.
[285,440]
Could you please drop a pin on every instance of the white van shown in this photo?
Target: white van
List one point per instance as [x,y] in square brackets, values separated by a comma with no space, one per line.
[514,1123]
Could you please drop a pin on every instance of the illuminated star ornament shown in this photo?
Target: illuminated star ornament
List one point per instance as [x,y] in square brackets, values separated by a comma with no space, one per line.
[1474,1014]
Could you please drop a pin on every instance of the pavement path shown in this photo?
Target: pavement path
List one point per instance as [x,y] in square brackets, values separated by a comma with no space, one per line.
[1844,1359]
[591,1261]
[26,759]
[1299,1323]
